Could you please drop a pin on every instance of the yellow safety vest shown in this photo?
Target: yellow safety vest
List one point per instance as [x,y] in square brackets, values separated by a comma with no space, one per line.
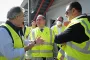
[76,51]
[61,52]
[56,33]
[27,32]
[16,39]
[45,50]
[55,29]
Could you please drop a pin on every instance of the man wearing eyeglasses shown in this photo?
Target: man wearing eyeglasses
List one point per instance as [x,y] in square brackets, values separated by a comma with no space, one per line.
[77,34]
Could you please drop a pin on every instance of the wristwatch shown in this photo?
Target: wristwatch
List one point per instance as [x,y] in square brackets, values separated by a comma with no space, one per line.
[34,42]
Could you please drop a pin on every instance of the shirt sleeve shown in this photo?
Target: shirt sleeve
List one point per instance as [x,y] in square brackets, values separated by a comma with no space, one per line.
[6,46]
[75,33]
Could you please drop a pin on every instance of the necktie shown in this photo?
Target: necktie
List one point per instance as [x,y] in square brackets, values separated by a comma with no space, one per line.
[41,30]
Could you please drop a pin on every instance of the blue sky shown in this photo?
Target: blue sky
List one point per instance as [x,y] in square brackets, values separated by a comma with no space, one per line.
[5,5]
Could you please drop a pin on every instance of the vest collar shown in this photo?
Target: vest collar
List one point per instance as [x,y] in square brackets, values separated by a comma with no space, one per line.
[17,29]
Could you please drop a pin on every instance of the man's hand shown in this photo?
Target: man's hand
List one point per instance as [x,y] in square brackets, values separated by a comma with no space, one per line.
[39,41]
[62,57]
[30,45]
[66,23]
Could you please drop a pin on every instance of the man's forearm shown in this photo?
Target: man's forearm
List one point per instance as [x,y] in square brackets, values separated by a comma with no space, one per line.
[29,46]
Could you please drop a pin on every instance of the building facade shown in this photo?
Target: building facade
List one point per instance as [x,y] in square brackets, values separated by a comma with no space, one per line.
[51,12]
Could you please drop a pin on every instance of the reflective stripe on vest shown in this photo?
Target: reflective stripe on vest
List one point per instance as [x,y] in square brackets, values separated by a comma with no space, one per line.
[50,36]
[87,27]
[16,40]
[46,43]
[62,52]
[42,51]
[84,50]
[69,57]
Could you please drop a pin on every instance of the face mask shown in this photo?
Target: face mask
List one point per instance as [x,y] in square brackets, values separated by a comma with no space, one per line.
[58,23]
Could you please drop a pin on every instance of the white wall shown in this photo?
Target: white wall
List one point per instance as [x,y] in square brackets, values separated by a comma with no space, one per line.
[85,6]
[58,9]
[1,22]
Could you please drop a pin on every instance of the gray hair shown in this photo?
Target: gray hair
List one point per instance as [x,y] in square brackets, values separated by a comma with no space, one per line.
[41,16]
[14,12]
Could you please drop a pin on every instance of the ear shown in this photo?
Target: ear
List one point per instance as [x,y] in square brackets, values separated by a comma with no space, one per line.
[73,10]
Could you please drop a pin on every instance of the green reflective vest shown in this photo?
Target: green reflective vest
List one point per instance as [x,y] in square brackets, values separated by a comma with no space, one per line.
[76,51]
[16,39]
[46,49]
[27,32]
[55,29]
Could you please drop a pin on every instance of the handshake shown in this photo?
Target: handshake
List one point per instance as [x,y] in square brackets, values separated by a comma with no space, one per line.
[38,41]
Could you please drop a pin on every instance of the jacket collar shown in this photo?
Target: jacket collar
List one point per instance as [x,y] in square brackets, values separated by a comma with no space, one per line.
[15,28]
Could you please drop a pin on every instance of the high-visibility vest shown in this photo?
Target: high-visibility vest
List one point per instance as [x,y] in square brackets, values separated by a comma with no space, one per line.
[45,50]
[79,51]
[61,52]
[55,29]
[17,42]
[27,32]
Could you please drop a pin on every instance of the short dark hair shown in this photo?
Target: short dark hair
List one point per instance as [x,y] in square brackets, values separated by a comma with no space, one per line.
[13,12]
[61,18]
[76,5]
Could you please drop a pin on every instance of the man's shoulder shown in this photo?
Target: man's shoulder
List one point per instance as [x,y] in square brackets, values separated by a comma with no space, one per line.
[36,28]
[46,27]
[54,26]
[3,30]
